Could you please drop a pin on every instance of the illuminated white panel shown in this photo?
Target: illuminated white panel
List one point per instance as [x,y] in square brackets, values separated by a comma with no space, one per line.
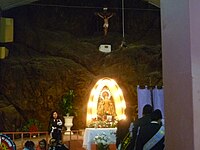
[120,91]
[123,104]
[116,94]
[89,117]
[91,104]
[92,92]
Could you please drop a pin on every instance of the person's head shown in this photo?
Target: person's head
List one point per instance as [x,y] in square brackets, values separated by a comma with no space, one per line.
[42,144]
[53,142]
[105,93]
[54,115]
[30,145]
[147,110]
[156,115]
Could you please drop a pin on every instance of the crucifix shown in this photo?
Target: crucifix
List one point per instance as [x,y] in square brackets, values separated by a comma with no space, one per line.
[105,16]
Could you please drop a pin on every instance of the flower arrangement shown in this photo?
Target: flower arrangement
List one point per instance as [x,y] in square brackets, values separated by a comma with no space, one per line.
[32,125]
[102,124]
[102,140]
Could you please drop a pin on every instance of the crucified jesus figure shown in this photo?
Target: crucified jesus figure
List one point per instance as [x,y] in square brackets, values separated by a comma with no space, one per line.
[106,24]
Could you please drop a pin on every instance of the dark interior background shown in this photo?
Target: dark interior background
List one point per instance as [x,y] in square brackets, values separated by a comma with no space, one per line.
[55,49]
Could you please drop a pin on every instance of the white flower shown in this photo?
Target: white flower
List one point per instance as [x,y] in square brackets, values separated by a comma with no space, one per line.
[102,139]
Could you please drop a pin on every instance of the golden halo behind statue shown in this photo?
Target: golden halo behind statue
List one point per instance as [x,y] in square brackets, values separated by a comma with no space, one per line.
[102,95]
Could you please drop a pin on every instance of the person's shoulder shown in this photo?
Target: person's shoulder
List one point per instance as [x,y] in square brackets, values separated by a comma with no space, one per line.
[150,126]
[136,122]
[144,119]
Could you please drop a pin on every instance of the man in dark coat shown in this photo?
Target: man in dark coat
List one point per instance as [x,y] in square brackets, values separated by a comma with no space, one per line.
[151,136]
[146,118]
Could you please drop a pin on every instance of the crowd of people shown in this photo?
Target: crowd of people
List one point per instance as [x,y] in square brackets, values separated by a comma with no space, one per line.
[42,145]
[55,132]
[146,133]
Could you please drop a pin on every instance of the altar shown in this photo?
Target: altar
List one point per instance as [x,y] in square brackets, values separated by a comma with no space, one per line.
[90,133]
[106,105]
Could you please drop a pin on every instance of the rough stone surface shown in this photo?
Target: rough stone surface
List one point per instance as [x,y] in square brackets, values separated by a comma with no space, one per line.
[46,60]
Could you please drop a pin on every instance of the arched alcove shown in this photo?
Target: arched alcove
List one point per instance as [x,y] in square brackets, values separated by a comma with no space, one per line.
[106,89]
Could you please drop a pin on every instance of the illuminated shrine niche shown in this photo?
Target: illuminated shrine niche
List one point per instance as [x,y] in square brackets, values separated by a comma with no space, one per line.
[106,99]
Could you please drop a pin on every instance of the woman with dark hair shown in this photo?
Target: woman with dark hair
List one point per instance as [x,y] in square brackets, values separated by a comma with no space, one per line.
[42,145]
[55,126]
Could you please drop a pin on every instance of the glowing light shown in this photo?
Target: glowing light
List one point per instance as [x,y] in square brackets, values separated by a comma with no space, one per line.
[114,91]
[91,104]
[107,91]
[92,92]
[123,104]
[123,116]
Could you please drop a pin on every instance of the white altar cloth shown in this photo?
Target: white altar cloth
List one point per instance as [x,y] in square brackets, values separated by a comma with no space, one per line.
[90,133]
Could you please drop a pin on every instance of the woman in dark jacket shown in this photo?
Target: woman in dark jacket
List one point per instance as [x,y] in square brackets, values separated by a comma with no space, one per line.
[55,127]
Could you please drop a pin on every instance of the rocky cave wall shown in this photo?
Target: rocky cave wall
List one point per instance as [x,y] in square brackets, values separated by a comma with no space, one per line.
[44,63]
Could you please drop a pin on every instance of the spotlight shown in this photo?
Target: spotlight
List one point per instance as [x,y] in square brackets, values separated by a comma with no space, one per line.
[105,8]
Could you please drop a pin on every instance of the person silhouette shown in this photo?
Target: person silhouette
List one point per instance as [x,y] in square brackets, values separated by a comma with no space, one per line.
[29,145]
[152,135]
[55,126]
[144,120]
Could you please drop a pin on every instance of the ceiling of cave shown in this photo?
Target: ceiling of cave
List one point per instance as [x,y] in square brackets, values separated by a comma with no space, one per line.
[8,4]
